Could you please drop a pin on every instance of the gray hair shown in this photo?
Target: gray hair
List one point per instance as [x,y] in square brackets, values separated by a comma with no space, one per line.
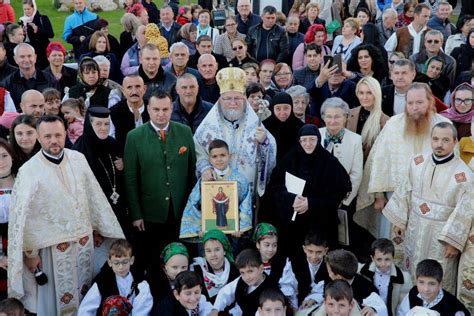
[334,103]
[298,91]
[389,12]
[102,60]
[178,45]
[435,33]
[17,47]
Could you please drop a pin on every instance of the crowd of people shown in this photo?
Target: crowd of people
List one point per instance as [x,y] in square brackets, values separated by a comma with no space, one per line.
[314,161]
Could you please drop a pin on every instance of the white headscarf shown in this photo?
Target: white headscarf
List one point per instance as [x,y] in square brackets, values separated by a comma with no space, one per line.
[29,19]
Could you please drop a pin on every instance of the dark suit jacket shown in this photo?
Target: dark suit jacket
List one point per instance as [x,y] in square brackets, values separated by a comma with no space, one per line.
[388,94]
[318,95]
[124,122]
[159,175]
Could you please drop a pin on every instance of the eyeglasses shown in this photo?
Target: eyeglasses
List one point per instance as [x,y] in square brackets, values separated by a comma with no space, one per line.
[458,101]
[433,41]
[237,48]
[230,99]
[117,263]
[233,24]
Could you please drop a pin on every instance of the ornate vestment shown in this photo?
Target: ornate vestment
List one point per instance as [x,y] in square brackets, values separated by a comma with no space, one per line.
[191,220]
[55,209]
[387,166]
[240,137]
[432,205]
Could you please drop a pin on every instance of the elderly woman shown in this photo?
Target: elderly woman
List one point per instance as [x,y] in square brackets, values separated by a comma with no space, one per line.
[345,43]
[461,110]
[312,13]
[366,60]
[344,144]
[102,154]
[38,31]
[301,100]
[90,86]
[367,119]
[316,34]
[239,46]
[464,24]
[327,184]
[104,72]
[283,124]
[282,78]
[99,46]
[223,44]
[130,24]
[188,35]
[67,77]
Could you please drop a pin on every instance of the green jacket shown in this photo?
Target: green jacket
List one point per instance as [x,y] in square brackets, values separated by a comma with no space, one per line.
[158,173]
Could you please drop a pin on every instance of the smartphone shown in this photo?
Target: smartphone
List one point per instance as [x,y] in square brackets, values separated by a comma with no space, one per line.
[327,58]
[337,60]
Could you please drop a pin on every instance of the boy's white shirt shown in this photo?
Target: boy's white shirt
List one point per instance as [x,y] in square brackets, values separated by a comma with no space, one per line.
[375,301]
[404,307]
[142,303]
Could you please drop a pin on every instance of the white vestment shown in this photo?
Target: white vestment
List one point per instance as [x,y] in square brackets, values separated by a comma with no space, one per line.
[55,209]
[240,137]
[387,166]
[431,206]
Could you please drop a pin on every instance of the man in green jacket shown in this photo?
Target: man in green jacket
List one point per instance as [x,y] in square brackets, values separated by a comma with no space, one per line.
[160,162]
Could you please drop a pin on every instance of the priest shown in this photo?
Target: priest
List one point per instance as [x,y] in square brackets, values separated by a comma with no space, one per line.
[59,216]
[431,206]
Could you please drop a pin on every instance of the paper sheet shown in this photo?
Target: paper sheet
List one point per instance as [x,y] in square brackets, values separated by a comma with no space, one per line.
[294,185]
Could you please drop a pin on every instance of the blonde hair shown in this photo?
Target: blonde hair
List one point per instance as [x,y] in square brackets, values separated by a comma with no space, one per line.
[371,128]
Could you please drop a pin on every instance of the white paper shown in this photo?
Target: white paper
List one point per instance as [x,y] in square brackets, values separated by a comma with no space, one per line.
[294,185]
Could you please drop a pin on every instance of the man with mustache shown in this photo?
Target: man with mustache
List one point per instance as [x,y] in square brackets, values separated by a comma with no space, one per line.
[129,113]
[433,203]
[405,135]
[234,121]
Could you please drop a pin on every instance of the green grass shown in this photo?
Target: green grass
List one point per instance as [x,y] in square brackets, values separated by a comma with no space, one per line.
[57,18]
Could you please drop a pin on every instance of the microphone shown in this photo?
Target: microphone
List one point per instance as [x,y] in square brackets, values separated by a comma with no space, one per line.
[40,277]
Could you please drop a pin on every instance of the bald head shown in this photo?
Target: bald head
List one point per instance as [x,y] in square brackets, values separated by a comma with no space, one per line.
[207,66]
[32,103]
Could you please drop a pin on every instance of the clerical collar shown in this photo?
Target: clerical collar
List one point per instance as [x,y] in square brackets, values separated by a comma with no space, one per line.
[221,173]
[54,159]
[442,160]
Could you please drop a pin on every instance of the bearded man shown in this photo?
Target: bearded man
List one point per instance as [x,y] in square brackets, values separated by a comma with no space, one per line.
[234,121]
[405,135]
[432,204]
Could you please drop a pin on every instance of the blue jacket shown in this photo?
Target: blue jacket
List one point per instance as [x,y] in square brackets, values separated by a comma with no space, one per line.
[76,19]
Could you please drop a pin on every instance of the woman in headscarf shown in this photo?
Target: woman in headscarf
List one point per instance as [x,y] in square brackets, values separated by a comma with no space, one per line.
[432,70]
[461,110]
[283,124]
[38,30]
[327,184]
[90,86]
[101,153]
[217,267]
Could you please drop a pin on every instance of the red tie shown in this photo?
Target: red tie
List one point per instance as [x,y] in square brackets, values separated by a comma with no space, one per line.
[162,134]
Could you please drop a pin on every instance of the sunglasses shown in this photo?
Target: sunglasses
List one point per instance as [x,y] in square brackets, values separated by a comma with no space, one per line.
[432,41]
[237,48]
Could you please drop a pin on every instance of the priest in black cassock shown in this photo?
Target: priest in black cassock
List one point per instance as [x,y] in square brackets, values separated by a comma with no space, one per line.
[101,152]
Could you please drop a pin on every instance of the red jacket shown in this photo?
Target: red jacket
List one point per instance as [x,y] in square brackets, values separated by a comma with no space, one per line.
[181,20]
[6,13]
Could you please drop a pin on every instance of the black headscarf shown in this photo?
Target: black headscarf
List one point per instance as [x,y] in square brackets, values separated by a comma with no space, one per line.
[327,184]
[285,133]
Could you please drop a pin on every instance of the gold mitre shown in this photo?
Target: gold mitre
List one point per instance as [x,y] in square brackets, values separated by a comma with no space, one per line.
[231,79]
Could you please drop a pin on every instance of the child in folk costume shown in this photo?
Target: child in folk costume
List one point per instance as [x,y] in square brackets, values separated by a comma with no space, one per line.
[428,292]
[338,300]
[272,302]
[391,282]
[175,259]
[245,290]
[219,158]
[276,266]
[117,279]
[310,272]
[217,267]
[189,300]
